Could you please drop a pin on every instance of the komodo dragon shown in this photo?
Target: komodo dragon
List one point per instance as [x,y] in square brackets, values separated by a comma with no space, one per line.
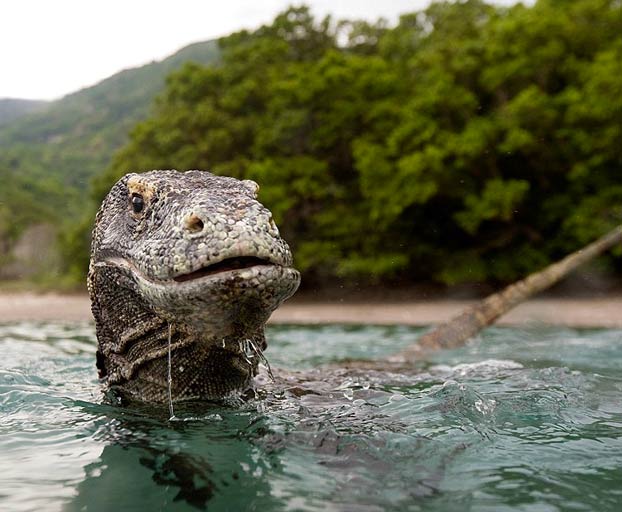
[189,266]
[192,256]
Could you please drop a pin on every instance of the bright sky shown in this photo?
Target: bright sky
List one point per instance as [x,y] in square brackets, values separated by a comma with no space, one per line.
[49,48]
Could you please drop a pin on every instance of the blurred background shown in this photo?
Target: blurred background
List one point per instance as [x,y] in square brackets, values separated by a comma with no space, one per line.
[399,144]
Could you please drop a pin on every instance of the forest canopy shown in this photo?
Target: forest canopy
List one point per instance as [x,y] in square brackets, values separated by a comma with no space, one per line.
[469,143]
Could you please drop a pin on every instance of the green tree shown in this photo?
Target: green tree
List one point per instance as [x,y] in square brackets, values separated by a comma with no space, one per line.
[470,142]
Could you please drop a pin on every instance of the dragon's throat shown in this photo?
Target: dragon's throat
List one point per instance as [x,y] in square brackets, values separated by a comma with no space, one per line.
[199,369]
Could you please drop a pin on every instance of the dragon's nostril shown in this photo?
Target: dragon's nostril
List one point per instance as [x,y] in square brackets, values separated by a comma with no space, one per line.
[194,224]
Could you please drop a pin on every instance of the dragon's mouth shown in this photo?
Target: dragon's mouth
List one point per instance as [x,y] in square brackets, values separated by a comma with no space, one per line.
[225,265]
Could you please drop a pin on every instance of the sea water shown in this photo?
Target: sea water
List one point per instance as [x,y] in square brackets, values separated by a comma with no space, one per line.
[519,419]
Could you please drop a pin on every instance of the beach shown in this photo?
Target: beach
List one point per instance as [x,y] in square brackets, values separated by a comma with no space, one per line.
[605,311]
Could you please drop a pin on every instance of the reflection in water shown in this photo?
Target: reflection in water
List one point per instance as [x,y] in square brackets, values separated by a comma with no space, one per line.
[146,464]
[517,419]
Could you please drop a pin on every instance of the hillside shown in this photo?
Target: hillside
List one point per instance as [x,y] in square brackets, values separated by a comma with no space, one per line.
[74,137]
[12,108]
[49,154]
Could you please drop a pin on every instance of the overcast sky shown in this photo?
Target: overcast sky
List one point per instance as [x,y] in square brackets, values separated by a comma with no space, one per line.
[49,48]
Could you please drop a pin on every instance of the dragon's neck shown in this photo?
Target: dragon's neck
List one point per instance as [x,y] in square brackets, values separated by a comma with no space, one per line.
[134,344]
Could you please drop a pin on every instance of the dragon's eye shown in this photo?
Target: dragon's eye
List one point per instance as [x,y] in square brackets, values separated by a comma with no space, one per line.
[138,203]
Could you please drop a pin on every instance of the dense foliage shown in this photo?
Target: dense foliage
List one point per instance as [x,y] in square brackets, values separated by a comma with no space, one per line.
[469,143]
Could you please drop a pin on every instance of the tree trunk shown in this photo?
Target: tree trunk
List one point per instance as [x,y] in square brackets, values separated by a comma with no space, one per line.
[458,330]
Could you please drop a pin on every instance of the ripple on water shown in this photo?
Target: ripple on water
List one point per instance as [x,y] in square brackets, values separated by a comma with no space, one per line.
[516,420]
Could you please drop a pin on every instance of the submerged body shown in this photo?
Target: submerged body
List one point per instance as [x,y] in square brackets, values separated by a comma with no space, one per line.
[192,263]
[187,258]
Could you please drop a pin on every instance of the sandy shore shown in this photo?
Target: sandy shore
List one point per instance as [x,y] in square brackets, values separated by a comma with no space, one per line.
[594,312]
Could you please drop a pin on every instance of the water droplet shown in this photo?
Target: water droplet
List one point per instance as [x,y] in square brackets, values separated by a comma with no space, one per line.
[170,375]
[485,406]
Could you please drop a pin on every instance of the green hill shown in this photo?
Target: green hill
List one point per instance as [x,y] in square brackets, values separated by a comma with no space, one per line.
[12,108]
[74,137]
[49,152]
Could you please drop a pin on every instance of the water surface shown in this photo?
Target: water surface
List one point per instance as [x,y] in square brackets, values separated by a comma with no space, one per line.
[527,419]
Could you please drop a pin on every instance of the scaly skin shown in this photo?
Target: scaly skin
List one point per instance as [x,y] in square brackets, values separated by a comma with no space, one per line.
[155,239]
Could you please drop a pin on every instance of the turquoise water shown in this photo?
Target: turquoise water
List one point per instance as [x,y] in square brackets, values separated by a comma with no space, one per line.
[526,420]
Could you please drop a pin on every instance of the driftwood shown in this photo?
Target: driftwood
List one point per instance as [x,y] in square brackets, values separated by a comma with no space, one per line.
[472,320]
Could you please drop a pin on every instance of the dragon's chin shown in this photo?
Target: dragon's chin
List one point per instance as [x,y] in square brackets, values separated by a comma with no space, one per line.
[234,300]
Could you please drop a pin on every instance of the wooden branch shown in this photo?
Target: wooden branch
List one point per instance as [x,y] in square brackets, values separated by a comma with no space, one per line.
[472,320]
